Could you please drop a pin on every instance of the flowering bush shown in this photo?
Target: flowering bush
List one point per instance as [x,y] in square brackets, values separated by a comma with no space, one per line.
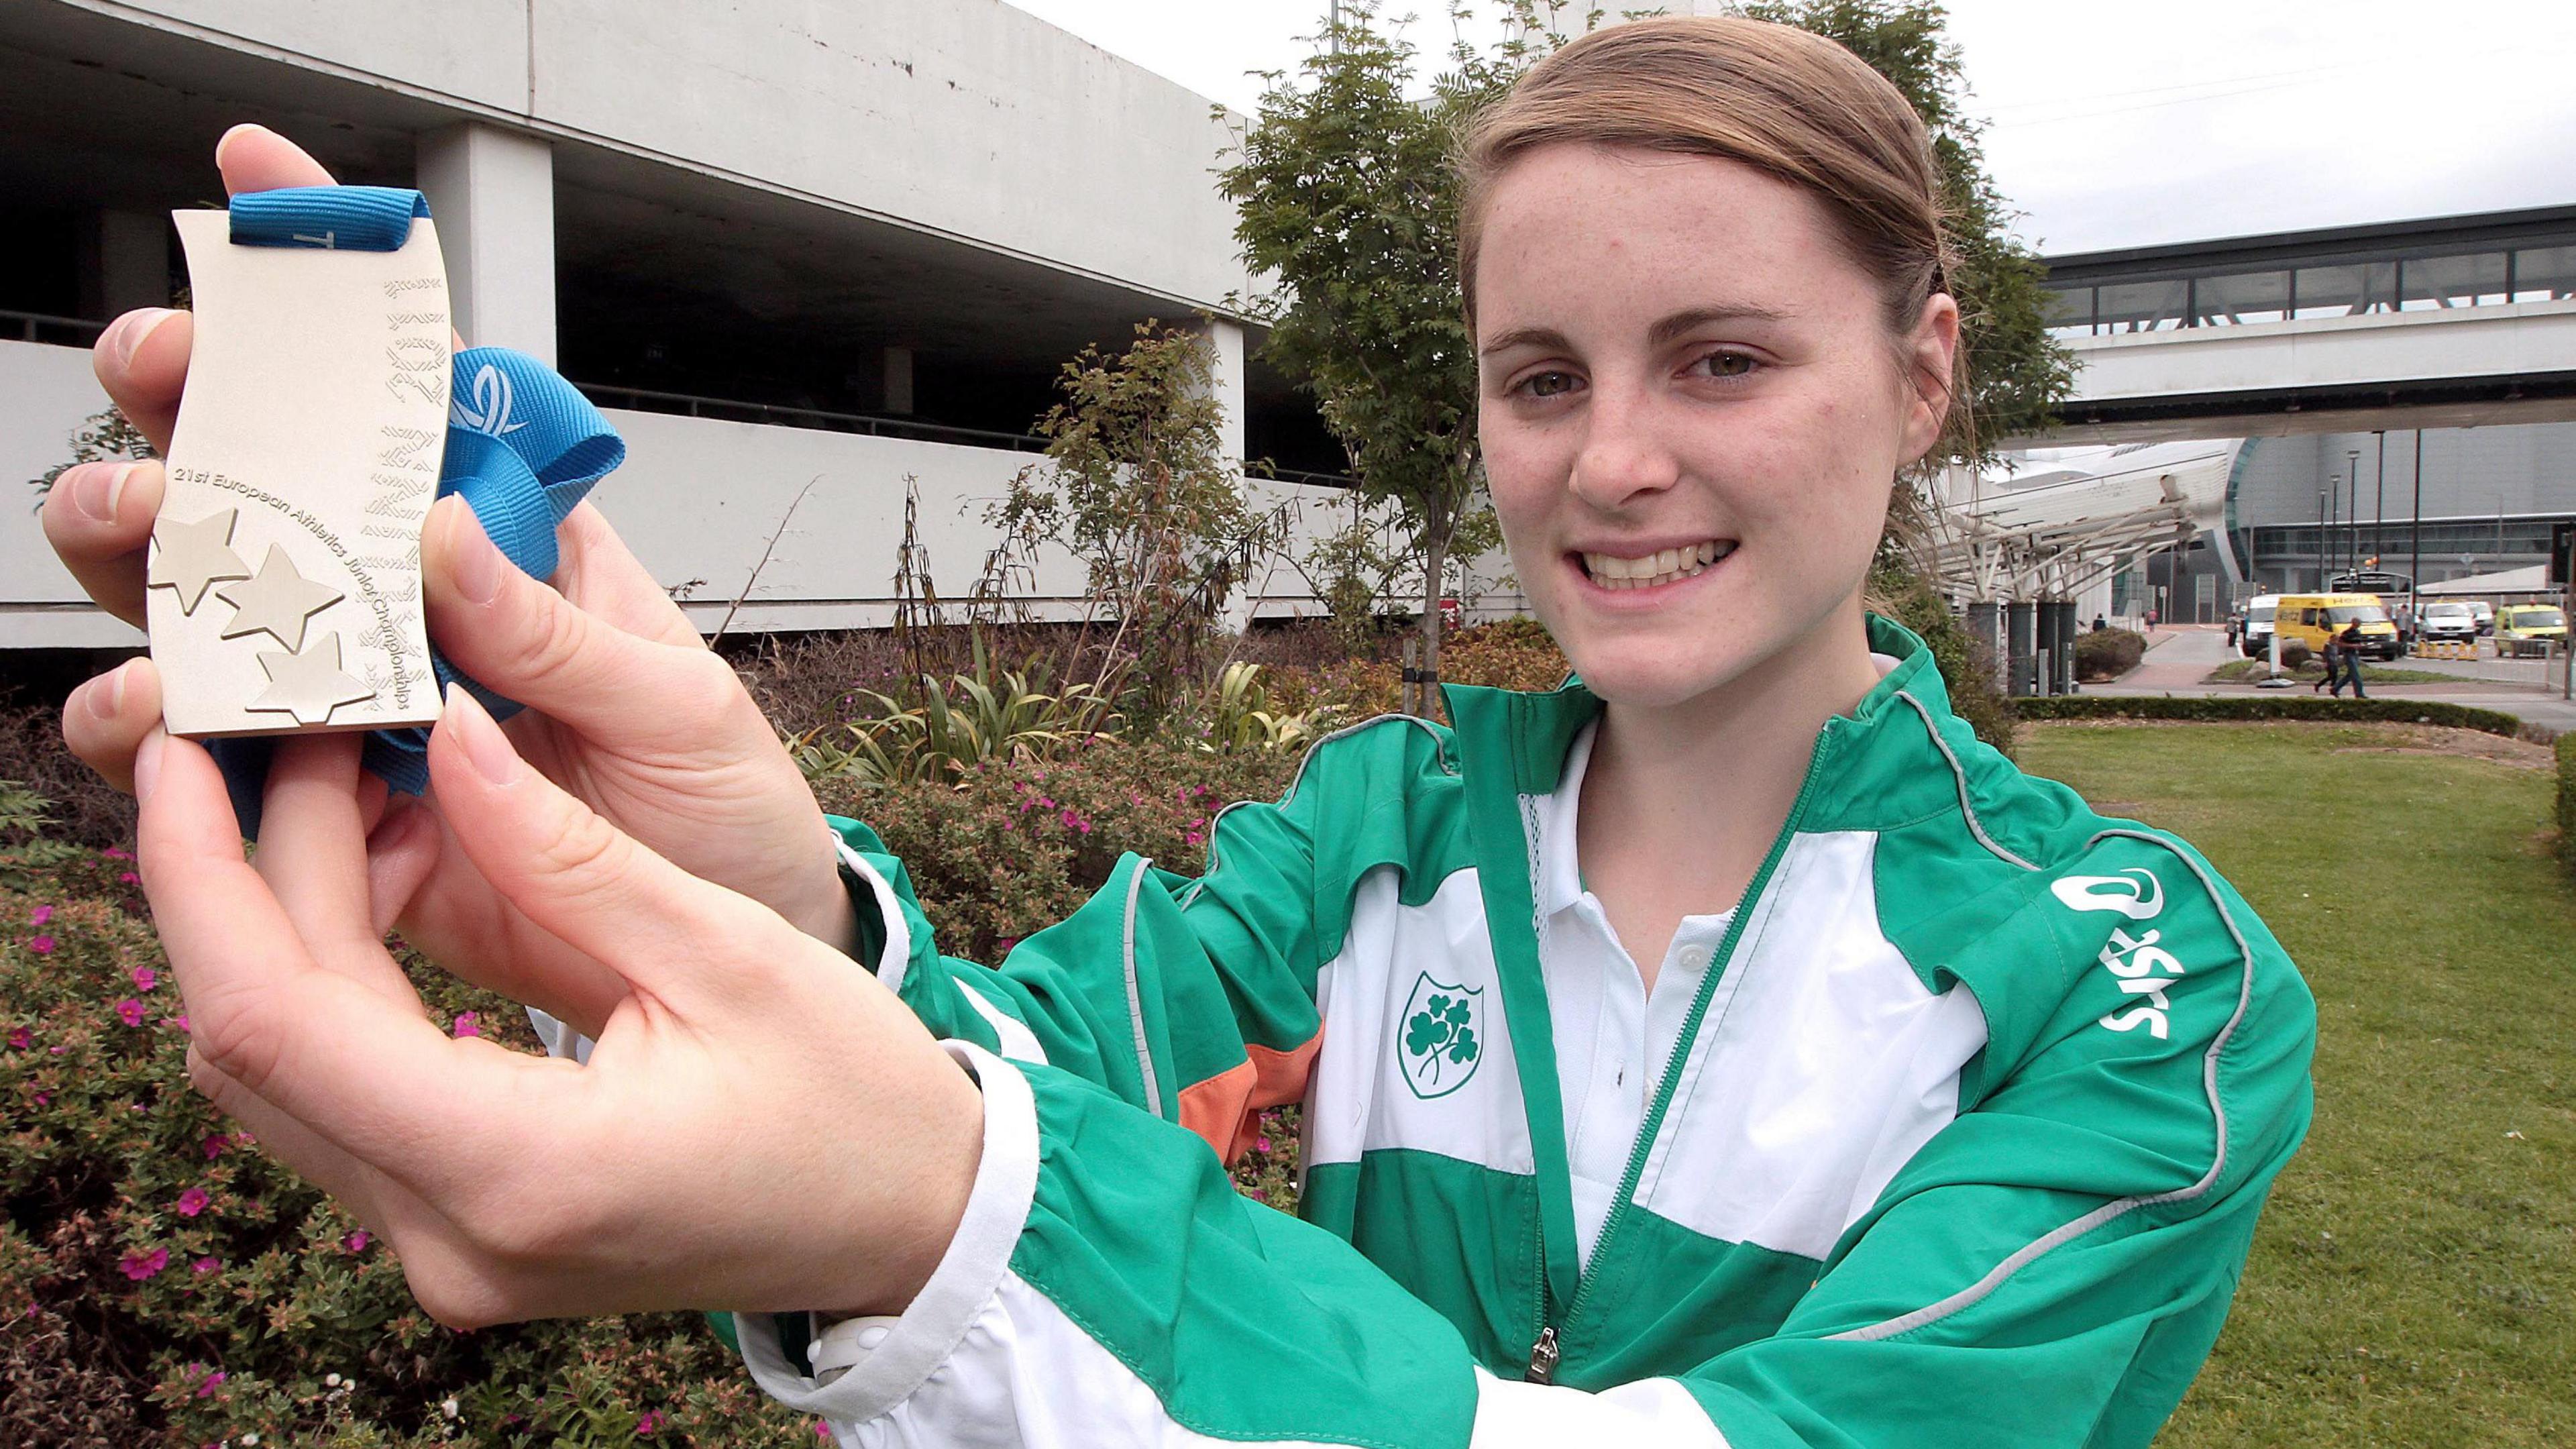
[162,1281]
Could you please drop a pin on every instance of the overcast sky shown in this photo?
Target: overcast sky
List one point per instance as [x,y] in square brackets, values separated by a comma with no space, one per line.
[2124,122]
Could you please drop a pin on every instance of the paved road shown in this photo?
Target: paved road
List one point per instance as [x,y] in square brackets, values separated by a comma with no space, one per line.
[2179,658]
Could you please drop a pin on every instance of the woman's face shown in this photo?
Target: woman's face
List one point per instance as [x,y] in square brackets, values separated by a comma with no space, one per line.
[1692,414]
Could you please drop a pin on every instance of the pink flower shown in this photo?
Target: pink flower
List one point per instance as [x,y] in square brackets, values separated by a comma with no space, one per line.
[215,1146]
[20,1039]
[41,945]
[357,1242]
[204,1265]
[213,1381]
[465,1024]
[651,1423]
[44,1098]
[130,1011]
[145,978]
[193,1202]
[129,878]
[42,915]
[822,1430]
[115,853]
[180,1021]
[139,1266]
[1262,1142]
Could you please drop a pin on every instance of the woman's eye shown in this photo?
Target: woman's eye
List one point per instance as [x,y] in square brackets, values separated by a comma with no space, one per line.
[1728,364]
[1548,384]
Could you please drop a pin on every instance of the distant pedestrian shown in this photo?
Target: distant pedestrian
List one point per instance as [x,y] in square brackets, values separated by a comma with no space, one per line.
[2350,639]
[2100,623]
[2151,619]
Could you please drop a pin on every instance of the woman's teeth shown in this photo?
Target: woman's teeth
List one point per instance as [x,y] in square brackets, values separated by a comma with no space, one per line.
[1666,566]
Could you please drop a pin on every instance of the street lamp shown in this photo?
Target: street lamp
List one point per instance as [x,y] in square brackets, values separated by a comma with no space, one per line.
[2352,517]
[2321,540]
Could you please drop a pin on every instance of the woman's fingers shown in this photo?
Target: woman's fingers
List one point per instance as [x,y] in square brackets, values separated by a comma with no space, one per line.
[576,876]
[255,158]
[106,719]
[313,855]
[527,642]
[142,361]
[98,517]
[371,1076]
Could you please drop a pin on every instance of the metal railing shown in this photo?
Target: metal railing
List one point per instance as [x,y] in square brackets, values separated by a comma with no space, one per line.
[642,399]
[60,331]
[2236,294]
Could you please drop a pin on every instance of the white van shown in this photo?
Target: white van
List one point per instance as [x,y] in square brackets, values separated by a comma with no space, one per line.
[2258,624]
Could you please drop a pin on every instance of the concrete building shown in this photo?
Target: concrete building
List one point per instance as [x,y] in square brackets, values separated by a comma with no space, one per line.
[848,244]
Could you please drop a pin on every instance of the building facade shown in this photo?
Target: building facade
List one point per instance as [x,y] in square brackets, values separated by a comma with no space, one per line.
[839,245]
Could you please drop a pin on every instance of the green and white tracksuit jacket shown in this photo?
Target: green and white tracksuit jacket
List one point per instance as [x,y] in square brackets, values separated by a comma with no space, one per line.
[1960,1139]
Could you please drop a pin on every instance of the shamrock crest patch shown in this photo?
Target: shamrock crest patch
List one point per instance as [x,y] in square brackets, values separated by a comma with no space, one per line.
[1443,1037]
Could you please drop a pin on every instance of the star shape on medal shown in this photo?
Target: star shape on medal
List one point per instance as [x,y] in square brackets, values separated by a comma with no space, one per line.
[309,684]
[278,602]
[190,557]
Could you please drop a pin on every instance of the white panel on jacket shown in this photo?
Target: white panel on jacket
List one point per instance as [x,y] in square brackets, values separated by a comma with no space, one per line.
[1381,1082]
[1822,1066]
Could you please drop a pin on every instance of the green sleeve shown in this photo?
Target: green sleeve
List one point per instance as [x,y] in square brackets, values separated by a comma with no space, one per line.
[2054,1266]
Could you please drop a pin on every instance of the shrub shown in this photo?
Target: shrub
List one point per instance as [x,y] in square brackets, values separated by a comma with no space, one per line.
[1017,844]
[1968,668]
[162,1281]
[2289,707]
[2104,654]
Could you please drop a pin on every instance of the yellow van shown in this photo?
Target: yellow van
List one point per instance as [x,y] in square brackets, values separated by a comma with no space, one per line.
[2526,629]
[2309,618]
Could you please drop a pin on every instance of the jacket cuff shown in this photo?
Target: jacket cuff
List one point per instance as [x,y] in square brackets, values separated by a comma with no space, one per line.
[960,1289]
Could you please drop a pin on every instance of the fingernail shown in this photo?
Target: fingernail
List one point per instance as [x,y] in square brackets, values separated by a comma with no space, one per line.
[486,748]
[96,491]
[131,329]
[147,764]
[476,560]
[106,695]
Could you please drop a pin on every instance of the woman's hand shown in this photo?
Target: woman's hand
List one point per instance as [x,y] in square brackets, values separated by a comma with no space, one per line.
[762,1126]
[629,711]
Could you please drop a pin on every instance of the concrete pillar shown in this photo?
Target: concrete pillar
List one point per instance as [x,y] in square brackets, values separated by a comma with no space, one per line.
[1225,380]
[133,261]
[895,396]
[2021,647]
[2068,628]
[1985,625]
[492,193]
[2052,645]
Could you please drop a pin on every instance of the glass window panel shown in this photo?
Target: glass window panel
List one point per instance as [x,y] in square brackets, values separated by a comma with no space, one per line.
[2347,291]
[2070,311]
[2544,274]
[2469,280]
[2143,306]
[2241,297]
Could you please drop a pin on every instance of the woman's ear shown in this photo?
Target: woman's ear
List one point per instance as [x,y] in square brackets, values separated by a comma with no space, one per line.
[1932,355]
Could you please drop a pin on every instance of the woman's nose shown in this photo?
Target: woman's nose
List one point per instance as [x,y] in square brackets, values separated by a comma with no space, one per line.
[1623,457]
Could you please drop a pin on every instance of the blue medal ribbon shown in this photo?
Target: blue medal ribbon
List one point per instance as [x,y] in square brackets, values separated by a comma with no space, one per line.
[523,449]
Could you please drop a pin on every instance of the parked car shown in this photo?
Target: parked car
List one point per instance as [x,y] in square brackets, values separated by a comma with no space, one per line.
[2447,622]
[2530,629]
[2486,615]
[2309,618]
[2256,639]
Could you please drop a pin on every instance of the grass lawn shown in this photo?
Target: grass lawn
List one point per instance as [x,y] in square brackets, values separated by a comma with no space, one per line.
[2414,1280]
[2245,671]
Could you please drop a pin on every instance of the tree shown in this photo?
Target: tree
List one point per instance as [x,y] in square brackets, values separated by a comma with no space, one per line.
[1137,484]
[102,436]
[1347,197]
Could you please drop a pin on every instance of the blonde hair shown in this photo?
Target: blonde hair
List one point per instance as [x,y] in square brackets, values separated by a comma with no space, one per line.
[1781,100]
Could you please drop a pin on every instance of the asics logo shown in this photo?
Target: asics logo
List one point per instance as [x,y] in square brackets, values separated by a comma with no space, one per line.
[2134,893]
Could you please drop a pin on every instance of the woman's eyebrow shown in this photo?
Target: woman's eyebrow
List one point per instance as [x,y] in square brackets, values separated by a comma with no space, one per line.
[1681,324]
[1542,337]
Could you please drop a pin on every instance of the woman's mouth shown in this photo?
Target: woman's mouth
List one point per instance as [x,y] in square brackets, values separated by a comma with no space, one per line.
[1663,566]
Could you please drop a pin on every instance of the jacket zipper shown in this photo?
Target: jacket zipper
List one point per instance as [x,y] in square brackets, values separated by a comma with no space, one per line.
[1544,1350]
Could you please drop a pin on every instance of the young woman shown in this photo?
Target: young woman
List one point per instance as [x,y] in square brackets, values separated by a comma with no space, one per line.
[1726,1049]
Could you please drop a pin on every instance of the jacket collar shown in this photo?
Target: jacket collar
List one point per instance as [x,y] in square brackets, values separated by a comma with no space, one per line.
[1530,736]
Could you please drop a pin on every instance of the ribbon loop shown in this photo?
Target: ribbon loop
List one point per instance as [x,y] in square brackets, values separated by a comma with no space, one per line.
[330,218]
